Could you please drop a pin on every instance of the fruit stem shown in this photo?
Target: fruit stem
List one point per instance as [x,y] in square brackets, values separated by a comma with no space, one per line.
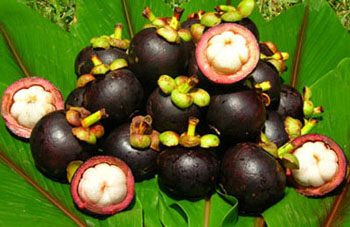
[309,124]
[118,30]
[286,148]
[190,83]
[93,118]
[147,13]
[175,20]
[192,123]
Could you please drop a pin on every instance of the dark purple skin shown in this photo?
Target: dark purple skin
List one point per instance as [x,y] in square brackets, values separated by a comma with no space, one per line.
[166,116]
[151,56]
[291,103]
[119,92]
[248,23]
[274,128]
[237,115]
[188,172]
[253,176]
[265,71]
[76,97]
[265,50]
[83,64]
[142,162]
[54,146]
[193,69]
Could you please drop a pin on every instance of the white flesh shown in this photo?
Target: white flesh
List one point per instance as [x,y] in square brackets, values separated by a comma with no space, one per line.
[30,105]
[318,164]
[103,185]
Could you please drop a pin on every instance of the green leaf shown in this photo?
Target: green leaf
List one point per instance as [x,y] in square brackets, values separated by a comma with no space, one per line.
[32,46]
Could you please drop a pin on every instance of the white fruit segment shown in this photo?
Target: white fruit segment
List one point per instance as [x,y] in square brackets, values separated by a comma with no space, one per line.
[318,164]
[227,52]
[103,185]
[30,105]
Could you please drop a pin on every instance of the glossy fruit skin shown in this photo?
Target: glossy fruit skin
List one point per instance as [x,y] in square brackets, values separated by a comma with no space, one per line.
[91,208]
[151,56]
[83,64]
[188,172]
[328,186]
[291,103]
[265,71]
[274,128]
[253,176]
[142,162]
[119,92]
[264,49]
[7,101]
[167,116]
[248,23]
[53,146]
[244,71]
[76,97]
[238,115]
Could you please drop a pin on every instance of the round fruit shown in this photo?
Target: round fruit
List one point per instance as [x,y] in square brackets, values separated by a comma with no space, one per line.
[264,71]
[291,103]
[26,101]
[103,185]
[227,53]
[248,23]
[237,114]
[76,97]
[142,162]
[150,56]
[167,116]
[253,176]
[54,146]
[188,172]
[274,128]
[119,92]
[322,165]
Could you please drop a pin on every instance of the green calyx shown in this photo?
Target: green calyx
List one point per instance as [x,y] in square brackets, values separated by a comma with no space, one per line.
[169,138]
[142,135]
[277,59]
[197,31]
[210,19]
[101,69]
[246,7]
[114,40]
[72,168]
[308,107]
[118,64]
[183,92]
[168,28]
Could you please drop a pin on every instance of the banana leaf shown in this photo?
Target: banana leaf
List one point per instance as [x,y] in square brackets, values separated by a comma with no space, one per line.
[30,45]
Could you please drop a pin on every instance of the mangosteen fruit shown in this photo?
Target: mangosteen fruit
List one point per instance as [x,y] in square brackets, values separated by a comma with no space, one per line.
[26,101]
[76,97]
[249,24]
[274,128]
[291,103]
[322,165]
[102,186]
[227,53]
[189,168]
[106,48]
[253,176]
[263,72]
[118,91]
[238,115]
[134,144]
[53,145]
[159,50]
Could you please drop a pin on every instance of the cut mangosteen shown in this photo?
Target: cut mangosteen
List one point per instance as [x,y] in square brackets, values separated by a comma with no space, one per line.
[141,160]
[26,101]
[227,53]
[54,146]
[103,185]
[238,115]
[322,165]
[253,176]
[119,92]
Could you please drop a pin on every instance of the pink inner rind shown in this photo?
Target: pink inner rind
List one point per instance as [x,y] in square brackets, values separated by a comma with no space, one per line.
[330,185]
[247,68]
[7,101]
[110,210]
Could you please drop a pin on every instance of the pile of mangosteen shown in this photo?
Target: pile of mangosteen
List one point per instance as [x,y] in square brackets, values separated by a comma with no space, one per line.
[200,105]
